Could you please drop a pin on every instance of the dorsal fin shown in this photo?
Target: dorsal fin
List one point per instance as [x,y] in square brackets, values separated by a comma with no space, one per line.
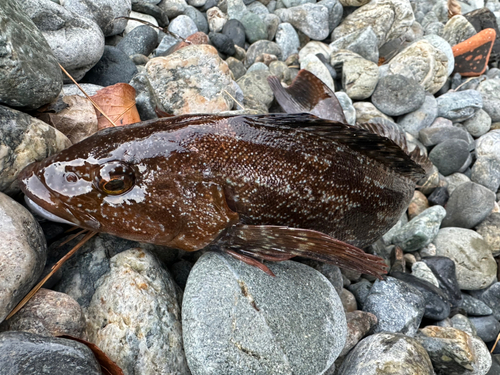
[307,94]
[362,139]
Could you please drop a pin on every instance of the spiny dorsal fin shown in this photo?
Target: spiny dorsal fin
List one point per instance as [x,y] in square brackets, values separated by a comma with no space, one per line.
[308,94]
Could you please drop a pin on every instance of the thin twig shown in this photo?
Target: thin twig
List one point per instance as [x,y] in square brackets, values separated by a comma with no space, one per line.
[495,344]
[232,97]
[72,237]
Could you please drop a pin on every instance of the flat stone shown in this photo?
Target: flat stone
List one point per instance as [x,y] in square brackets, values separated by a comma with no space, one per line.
[459,105]
[444,269]
[311,19]
[475,307]
[25,82]
[485,18]
[421,118]
[478,49]
[475,266]
[389,98]
[363,42]
[237,319]
[489,229]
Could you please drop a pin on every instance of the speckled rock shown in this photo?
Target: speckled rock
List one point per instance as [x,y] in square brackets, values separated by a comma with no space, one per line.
[25,82]
[77,42]
[231,309]
[365,111]
[144,295]
[475,307]
[479,124]
[442,45]
[142,40]
[391,100]
[105,13]
[390,19]
[444,269]
[436,134]
[255,27]
[363,42]
[146,100]
[311,19]
[23,252]
[454,180]
[489,229]
[490,296]
[486,172]
[26,353]
[422,62]
[460,105]
[23,140]
[182,26]
[387,353]
[475,266]
[255,86]
[288,39]
[48,313]
[457,29]
[191,80]
[422,271]
[421,118]
[216,19]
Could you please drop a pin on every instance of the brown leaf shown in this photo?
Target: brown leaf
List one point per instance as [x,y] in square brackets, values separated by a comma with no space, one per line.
[118,102]
[108,367]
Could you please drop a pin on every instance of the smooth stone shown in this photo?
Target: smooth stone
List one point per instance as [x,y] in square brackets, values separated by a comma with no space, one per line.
[488,145]
[462,323]
[288,39]
[48,313]
[72,89]
[454,180]
[449,156]
[182,26]
[398,306]
[27,353]
[25,82]
[231,309]
[258,8]
[132,24]
[76,42]
[434,135]
[142,40]
[314,65]
[475,307]
[444,269]
[166,43]
[453,351]
[23,252]
[145,97]
[114,67]
[331,272]
[442,45]
[391,100]
[489,88]
[311,19]
[479,124]
[490,296]
[389,19]
[365,111]
[144,295]
[437,306]
[236,9]
[439,196]
[236,31]
[486,172]
[459,105]
[255,28]
[420,231]
[294,3]
[347,107]
[397,353]
[489,229]
[475,266]
[492,108]
[191,80]
[468,206]
[262,47]
[335,12]
[223,43]
[457,30]
[487,327]
[105,13]
[153,10]
[422,271]
[422,62]
[272,21]
[362,42]
[421,118]
[354,3]
[348,301]
[255,87]
[237,67]
[359,324]
[281,70]
[24,140]
[257,66]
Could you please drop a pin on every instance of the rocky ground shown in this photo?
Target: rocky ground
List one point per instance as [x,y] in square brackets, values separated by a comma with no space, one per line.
[160,311]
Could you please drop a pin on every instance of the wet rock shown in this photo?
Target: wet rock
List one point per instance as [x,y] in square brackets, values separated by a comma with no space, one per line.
[113,67]
[459,105]
[475,307]
[255,86]
[191,80]
[475,266]
[444,269]
[363,42]
[359,324]
[449,156]
[311,19]
[27,353]
[421,118]
[260,331]
[391,100]
[27,83]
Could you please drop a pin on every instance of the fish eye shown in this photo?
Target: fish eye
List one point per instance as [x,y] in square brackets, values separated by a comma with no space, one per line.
[115,178]
[70,177]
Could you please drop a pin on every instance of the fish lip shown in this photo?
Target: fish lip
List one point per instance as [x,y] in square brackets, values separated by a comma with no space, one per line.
[40,211]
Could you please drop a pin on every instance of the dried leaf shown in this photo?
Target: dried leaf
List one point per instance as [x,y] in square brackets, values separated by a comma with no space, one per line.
[108,367]
[454,8]
[118,102]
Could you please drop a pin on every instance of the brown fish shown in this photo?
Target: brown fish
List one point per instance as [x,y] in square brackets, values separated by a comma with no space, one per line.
[270,186]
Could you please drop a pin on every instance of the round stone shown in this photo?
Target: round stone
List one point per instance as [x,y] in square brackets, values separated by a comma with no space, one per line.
[390,99]
[449,156]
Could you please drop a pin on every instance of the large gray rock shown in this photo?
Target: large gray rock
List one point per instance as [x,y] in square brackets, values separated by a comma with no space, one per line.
[255,87]
[238,320]
[475,266]
[459,105]
[77,42]
[29,74]
[288,39]
[421,118]
[311,19]
[449,156]
[144,296]
[363,42]
[23,252]
[24,140]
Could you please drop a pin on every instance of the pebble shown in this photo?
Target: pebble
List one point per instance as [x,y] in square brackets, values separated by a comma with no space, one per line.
[142,40]
[237,67]
[360,290]
[146,100]
[479,124]
[197,87]
[153,10]
[460,105]
[359,324]
[457,29]
[365,111]
[475,307]
[255,87]
[255,27]
[462,323]
[443,46]
[490,296]
[76,42]
[347,107]
[434,135]
[231,309]
[311,19]
[468,206]
[335,12]
[27,353]
[487,327]
[444,269]
[454,180]
[132,24]
[450,155]
[421,118]
[392,101]
[216,19]
[489,229]
[439,196]
[348,301]
[314,65]
[113,67]
[486,172]
[475,266]
[422,271]
[362,42]
[287,39]
[257,66]
[182,26]
[397,353]
[236,31]
[223,43]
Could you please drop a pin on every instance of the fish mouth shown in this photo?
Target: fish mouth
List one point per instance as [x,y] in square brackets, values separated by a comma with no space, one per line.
[40,211]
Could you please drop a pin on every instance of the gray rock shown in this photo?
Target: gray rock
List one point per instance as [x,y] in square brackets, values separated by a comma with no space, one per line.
[311,19]
[238,320]
[77,42]
[420,231]
[182,26]
[294,3]
[468,206]
[258,8]
[142,40]
[489,88]
[132,23]
[347,107]
[166,43]
[255,87]
[288,39]
[361,290]
[398,306]
[475,307]
[198,18]
[25,82]
[449,156]
[457,29]
[48,313]
[145,97]
[362,42]
[23,140]
[490,296]
[27,353]
[421,118]
[438,134]
[255,27]
[237,67]
[314,48]
[391,100]
[459,105]
[397,353]
[113,67]
[479,124]
[272,21]
[442,45]
[144,295]
[73,89]
[475,266]
[359,324]
[492,108]
[422,271]
[104,13]
[490,230]
[260,47]
[236,9]
[390,19]
[153,10]
[454,180]
[488,145]
[335,12]
[23,252]
[462,323]
[257,66]
[486,171]
[487,327]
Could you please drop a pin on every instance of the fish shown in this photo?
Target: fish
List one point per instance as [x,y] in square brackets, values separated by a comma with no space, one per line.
[260,187]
